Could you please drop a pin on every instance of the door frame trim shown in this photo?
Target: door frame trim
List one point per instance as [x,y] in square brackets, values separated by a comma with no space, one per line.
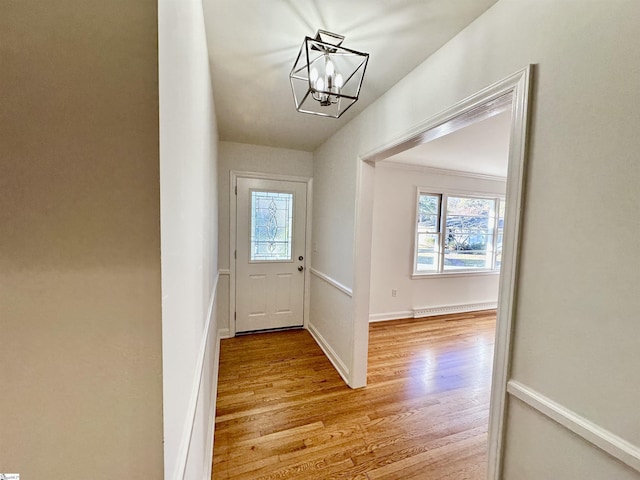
[233,225]
[519,85]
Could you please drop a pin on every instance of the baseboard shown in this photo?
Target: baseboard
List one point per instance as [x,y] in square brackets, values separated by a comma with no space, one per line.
[382,317]
[432,311]
[224,333]
[333,357]
[185,444]
[615,446]
[212,410]
[445,309]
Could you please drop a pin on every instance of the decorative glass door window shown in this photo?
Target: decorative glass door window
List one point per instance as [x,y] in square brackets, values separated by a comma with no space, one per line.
[271,226]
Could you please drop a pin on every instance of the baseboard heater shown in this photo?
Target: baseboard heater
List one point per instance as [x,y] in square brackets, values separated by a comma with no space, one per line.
[444,310]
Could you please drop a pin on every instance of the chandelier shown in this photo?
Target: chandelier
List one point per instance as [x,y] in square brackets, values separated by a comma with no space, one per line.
[326,77]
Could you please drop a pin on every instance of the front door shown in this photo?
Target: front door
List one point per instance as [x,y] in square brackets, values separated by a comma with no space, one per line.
[270,249]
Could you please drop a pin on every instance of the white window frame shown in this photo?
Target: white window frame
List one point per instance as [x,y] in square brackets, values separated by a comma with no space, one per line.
[444,195]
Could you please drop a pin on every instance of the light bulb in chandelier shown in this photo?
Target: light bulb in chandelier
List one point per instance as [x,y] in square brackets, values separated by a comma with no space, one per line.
[313,75]
[330,68]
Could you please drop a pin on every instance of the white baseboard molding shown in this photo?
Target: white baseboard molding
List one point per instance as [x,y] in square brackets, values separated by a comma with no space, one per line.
[212,410]
[185,443]
[224,333]
[334,283]
[446,309]
[383,317]
[610,443]
[333,357]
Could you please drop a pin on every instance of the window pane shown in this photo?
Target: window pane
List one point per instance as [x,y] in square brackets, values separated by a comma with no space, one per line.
[428,223]
[501,215]
[499,251]
[466,260]
[427,255]
[482,207]
[429,203]
[429,213]
[469,233]
[462,223]
[271,226]
[467,251]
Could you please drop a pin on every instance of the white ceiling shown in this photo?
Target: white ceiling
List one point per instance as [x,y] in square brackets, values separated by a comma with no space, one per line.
[482,147]
[253,44]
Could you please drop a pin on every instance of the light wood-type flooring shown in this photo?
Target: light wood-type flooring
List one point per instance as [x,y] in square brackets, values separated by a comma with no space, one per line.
[283,412]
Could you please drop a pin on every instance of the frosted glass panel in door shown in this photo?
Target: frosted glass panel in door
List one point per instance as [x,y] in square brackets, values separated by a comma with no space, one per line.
[271,226]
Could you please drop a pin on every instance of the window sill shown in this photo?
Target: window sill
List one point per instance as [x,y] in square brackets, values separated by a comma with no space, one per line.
[465,273]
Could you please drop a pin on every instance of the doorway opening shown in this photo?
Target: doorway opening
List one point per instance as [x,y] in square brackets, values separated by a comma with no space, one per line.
[510,95]
[269,245]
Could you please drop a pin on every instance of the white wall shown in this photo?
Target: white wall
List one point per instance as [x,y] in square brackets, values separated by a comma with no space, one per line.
[188,179]
[576,330]
[331,310]
[80,297]
[394,214]
[248,158]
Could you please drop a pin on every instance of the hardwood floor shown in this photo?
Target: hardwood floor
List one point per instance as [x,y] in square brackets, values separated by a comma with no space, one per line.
[284,413]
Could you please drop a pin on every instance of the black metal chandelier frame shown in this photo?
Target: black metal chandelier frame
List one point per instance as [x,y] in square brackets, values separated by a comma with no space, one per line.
[317,81]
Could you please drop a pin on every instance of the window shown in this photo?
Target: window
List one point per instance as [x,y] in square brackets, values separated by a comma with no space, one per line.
[458,233]
[271,226]
[428,236]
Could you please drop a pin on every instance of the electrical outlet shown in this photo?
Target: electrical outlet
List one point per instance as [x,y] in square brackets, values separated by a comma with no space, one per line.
[394,292]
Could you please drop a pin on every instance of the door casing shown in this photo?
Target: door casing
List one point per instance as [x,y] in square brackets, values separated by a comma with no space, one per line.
[519,85]
[233,221]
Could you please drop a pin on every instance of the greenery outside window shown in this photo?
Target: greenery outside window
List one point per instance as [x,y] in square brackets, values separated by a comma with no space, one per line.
[458,233]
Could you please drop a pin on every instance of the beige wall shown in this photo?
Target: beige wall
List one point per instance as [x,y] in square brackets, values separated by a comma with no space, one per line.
[242,157]
[531,438]
[576,329]
[80,302]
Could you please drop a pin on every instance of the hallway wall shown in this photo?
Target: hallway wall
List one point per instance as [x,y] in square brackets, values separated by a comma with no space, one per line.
[248,158]
[80,299]
[189,221]
[576,330]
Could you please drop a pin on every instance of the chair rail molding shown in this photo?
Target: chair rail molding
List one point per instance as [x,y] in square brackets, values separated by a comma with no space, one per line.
[331,281]
[601,438]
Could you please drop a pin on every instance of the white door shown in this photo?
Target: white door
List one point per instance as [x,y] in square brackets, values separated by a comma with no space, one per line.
[270,249]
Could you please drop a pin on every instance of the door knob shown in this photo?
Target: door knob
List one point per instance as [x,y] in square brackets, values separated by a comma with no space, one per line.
[300,268]
[300,258]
